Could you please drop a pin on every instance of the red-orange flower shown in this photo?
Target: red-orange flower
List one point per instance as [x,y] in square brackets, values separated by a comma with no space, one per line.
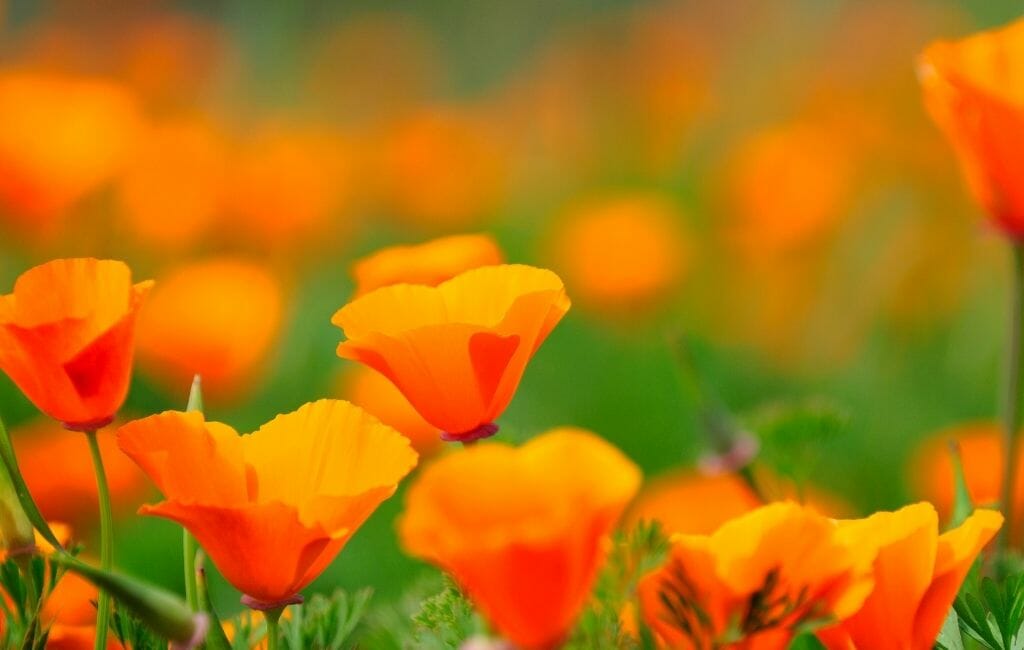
[272,508]
[67,336]
[430,263]
[972,88]
[371,391]
[522,530]
[456,351]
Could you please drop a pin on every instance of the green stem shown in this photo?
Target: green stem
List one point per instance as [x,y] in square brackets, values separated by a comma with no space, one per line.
[188,544]
[272,616]
[1011,398]
[106,538]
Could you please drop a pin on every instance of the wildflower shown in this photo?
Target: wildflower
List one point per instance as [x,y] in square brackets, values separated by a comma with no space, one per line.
[430,263]
[456,351]
[371,391]
[522,530]
[273,508]
[686,502]
[917,573]
[66,338]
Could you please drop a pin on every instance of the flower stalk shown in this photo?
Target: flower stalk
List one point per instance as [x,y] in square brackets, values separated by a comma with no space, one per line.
[188,542]
[1011,397]
[106,538]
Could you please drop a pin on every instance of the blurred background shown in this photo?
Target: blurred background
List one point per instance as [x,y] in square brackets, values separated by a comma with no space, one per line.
[754,182]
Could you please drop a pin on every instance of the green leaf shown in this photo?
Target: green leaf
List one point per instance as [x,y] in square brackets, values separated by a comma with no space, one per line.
[949,636]
[962,503]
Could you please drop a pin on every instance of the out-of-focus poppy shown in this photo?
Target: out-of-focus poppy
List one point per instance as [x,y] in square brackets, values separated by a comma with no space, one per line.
[917,573]
[691,503]
[373,392]
[522,530]
[216,318]
[430,263]
[272,508]
[972,88]
[67,335]
[456,351]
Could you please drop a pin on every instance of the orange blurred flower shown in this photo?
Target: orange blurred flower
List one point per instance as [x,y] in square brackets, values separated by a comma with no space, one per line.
[67,334]
[687,502]
[429,263]
[917,573]
[272,508]
[752,582]
[972,88]
[373,392]
[61,138]
[522,530]
[456,351]
[623,253]
[70,614]
[70,493]
[191,325]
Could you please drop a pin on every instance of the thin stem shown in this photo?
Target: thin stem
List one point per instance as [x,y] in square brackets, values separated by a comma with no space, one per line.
[188,542]
[106,538]
[1011,398]
[272,616]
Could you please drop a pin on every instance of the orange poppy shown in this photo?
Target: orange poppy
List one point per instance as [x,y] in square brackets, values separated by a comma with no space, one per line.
[430,263]
[70,615]
[752,582]
[917,573]
[972,88]
[456,351]
[522,530]
[67,335]
[190,325]
[371,391]
[272,508]
[687,502]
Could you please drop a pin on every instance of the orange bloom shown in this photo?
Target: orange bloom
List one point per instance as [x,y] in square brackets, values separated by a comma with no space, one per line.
[430,263]
[972,88]
[70,613]
[67,335]
[192,325]
[456,351]
[522,530]
[622,253]
[687,502]
[70,493]
[917,573]
[272,508]
[748,585]
[371,391]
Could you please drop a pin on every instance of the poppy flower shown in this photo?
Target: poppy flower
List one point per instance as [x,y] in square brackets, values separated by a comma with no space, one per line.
[972,88]
[272,508]
[67,335]
[456,351]
[755,580]
[523,531]
[190,325]
[687,502]
[917,573]
[430,263]
[371,391]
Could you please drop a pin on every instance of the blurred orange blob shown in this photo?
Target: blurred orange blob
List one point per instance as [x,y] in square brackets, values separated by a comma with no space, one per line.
[456,351]
[217,318]
[172,188]
[524,530]
[752,582]
[374,393]
[973,90]
[687,502]
[624,253]
[430,263]
[917,573]
[67,337]
[442,169]
[272,508]
[70,493]
[61,138]
[70,613]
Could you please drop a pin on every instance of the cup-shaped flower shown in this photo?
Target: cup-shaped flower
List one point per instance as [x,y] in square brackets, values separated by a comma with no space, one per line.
[272,508]
[522,530]
[67,336]
[456,351]
[429,263]
[754,581]
[917,573]
[972,88]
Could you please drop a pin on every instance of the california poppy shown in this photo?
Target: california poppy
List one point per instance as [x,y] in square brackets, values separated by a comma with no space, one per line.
[687,502]
[371,391]
[522,530]
[272,508]
[430,263]
[67,335]
[754,580]
[917,573]
[456,351]
[972,88]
